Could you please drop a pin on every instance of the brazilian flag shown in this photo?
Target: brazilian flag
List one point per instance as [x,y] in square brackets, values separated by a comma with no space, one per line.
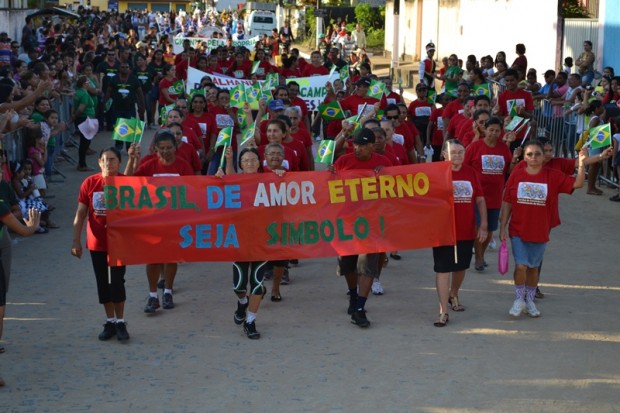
[331,111]
[139,130]
[481,89]
[344,73]
[253,94]
[163,113]
[247,135]
[376,89]
[325,153]
[125,130]
[178,87]
[224,138]
[432,96]
[242,119]
[237,96]
[600,136]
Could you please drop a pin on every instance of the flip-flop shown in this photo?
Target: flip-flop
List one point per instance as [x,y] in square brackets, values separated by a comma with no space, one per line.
[2,349]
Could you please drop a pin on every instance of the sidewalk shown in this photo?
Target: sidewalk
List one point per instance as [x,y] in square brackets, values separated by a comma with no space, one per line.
[380,65]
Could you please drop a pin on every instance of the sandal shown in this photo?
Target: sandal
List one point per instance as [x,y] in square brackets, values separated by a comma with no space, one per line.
[454,304]
[479,268]
[276,297]
[615,198]
[443,320]
[2,349]
[595,192]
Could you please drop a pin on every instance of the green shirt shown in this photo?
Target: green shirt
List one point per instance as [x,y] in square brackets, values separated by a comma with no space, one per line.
[82,97]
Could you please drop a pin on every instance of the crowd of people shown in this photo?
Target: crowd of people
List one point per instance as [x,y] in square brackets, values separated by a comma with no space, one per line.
[111,66]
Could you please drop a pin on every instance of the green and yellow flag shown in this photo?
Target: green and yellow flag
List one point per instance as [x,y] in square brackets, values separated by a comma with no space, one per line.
[125,130]
[224,138]
[253,94]
[242,119]
[139,130]
[271,82]
[600,136]
[376,89]
[344,73]
[163,113]
[432,96]
[452,91]
[195,92]
[178,87]
[481,89]
[325,152]
[247,135]
[255,67]
[331,111]
[514,123]
[353,120]
[237,96]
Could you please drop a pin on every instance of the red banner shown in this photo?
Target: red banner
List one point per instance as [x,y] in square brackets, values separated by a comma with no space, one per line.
[267,217]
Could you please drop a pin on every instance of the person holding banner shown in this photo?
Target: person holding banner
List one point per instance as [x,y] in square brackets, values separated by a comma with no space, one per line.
[110,280]
[455,259]
[363,157]
[166,164]
[84,108]
[492,160]
[529,193]
[246,272]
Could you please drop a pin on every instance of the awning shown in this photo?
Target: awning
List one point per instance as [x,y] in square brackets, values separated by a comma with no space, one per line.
[55,11]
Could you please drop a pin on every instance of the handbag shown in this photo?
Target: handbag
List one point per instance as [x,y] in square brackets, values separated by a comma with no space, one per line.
[502,262]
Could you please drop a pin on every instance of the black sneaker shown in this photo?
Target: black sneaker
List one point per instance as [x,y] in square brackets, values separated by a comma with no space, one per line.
[109,330]
[167,302]
[352,304]
[359,319]
[161,284]
[239,317]
[121,331]
[152,304]
[250,330]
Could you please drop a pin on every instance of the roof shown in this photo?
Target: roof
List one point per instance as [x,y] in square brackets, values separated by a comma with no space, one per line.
[55,11]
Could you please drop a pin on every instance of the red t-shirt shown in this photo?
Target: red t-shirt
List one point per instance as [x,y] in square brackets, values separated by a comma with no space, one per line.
[240,71]
[466,133]
[453,108]
[455,124]
[436,118]
[566,166]
[508,100]
[189,132]
[204,123]
[395,161]
[419,109]
[155,168]
[301,104]
[221,119]
[333,128]
[188,153]
[531,197]
[92,195]
[295,72]
[409,132]
[354,103]
[349,161]
[167,84]
[290,162]
[466,188]
[304,136]
[491,164]
[399,152]
[300,152]
[262,70]
[310,70]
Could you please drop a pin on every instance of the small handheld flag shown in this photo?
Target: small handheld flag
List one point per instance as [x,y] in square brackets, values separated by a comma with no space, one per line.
[224,138]
[325,153]
[124,130]
[600,136]
[247,136]
[331,111]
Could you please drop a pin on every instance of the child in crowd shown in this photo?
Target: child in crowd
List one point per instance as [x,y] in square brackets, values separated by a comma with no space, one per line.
[29,196]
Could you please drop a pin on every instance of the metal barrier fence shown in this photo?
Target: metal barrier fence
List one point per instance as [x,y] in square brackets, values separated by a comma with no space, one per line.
[13,145]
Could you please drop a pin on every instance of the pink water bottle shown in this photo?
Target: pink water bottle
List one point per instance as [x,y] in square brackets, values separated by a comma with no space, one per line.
[502,262]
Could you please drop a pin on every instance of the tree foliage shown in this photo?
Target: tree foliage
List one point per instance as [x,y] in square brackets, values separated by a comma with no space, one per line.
[573,9]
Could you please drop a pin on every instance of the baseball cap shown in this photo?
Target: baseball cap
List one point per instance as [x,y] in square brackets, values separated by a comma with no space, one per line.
[421,86]
[430,46]
[364,136]
[364,81]
[276,104]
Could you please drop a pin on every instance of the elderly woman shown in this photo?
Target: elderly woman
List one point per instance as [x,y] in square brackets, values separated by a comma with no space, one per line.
[165,164]
[531,193]
[468,198]
[110,280]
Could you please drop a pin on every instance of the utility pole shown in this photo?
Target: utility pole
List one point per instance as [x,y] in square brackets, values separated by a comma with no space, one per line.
[319,22]
[395,45]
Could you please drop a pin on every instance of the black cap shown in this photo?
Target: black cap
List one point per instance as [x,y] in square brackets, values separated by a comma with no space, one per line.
[364,136]
[364,81]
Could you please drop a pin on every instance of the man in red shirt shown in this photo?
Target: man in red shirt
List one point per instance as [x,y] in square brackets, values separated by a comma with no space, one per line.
[408,132]
[355,102]
[363,157]
[315,68]
[455,107]
[514,101]
[419,111]
[296,101]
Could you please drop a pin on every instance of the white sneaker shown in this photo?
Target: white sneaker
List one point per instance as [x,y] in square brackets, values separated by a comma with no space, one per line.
[531,309]
[517,308]
[493,244]
[376,287]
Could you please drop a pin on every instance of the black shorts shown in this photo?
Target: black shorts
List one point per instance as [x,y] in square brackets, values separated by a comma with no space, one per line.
[444,256]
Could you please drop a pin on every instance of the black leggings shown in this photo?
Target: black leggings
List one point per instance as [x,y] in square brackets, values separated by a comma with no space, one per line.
[249,271]
[84,144]
[112,291]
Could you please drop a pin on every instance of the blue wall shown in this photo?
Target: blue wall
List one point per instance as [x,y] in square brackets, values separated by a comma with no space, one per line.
[611,51]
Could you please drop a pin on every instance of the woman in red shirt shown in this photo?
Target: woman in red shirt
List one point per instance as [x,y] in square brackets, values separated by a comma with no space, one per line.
[491,158]
[468,198]
[529,194]
[165,164]
[110,280]
[167,94]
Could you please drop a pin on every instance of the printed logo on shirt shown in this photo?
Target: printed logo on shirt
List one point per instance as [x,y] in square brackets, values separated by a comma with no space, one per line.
[223,121]
[440,123]
[423,111]
[461,111]
[260,71]
[366,111]
[285,164]
[99,203]
[238,74]
[493,164]
[391,101]
[203,127]
[532,193]
[123,92]
[463,192]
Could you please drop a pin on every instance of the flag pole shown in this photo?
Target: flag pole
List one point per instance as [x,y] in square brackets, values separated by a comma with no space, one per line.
[223,155]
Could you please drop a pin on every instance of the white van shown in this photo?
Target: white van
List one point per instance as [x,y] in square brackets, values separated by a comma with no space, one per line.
[260,22]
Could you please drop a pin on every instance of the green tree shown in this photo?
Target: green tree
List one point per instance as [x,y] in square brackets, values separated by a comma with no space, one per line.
[573,9]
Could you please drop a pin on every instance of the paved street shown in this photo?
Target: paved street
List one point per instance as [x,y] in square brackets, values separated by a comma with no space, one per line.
[310,358]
